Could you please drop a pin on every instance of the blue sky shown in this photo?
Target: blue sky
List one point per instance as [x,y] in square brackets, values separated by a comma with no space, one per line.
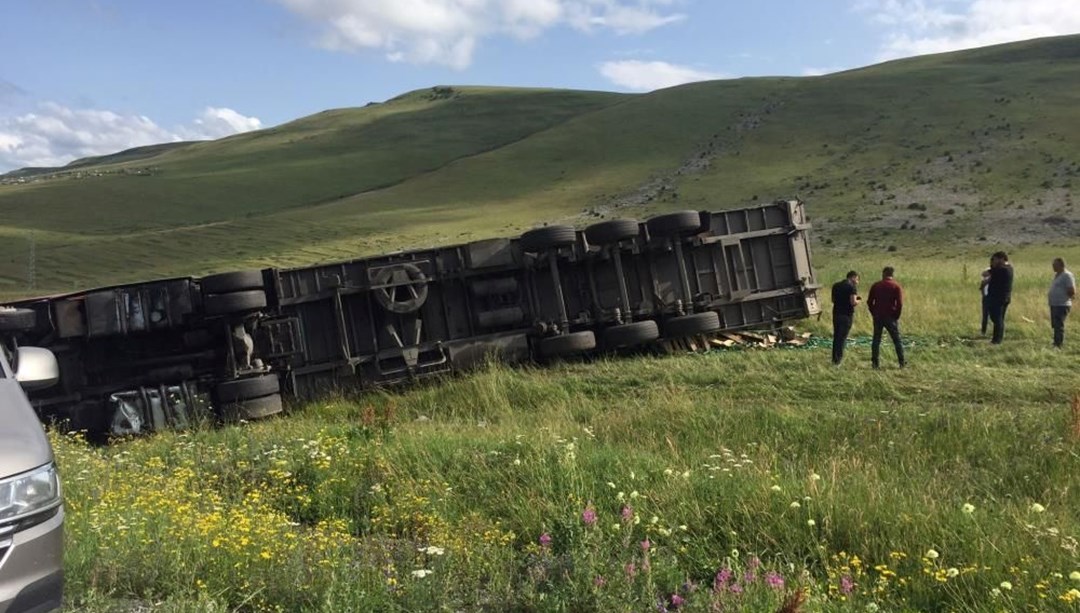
[88,77]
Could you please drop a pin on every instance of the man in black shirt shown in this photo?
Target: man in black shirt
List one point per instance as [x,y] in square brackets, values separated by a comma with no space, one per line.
[844,298]
[999,293]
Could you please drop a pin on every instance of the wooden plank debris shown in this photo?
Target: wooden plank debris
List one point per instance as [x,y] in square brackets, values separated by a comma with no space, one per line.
[726,340]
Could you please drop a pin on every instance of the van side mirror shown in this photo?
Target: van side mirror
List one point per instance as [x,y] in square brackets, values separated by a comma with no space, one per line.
[36,368]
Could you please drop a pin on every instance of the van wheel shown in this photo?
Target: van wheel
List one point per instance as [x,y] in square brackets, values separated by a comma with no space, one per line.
[631,334]
[691,325]
[14,319]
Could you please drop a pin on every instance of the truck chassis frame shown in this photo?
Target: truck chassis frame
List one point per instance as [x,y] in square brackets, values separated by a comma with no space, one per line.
[145,356]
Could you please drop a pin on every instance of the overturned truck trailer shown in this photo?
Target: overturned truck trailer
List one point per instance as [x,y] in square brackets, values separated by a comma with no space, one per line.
[159,354]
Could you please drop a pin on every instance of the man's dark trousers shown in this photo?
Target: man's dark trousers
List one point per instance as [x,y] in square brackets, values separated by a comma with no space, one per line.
[893,327]
[841,325]
[985,313]
[997,315]
[1057,322]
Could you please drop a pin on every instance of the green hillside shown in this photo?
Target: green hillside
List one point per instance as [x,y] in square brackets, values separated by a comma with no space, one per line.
[968,149]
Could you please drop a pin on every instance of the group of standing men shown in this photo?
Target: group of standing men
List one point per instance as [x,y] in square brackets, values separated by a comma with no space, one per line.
[886,300]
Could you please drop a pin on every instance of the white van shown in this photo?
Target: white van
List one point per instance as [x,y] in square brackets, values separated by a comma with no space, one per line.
[31,508]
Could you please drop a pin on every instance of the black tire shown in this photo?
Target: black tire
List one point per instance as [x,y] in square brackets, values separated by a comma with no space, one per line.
[539,240]
[680,223]
[691,325]
[244,389]
[567,344]
[257,408]
[17,320]
[612,231]
[234,302]
[631,334]
[228,282]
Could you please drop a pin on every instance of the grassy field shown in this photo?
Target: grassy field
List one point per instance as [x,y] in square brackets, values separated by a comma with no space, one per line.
[729,481]
[968,149]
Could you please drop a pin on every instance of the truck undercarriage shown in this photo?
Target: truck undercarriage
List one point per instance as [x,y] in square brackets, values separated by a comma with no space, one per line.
[160,354]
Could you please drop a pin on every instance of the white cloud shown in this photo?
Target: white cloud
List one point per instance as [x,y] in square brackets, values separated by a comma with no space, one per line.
[216,123]
[447,32]
[620,17]
[812,71]
[915,27]
[54,135]
[637,75]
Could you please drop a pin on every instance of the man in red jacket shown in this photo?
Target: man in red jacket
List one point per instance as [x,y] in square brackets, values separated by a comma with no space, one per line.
[886,301]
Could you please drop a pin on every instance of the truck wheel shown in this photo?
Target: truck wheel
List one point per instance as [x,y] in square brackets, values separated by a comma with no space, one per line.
[680,223]
[234,302]
[259,408]
[539,240]
[631,334]
[691,325]
[613,231]
[14,319]
[245,389]
[567,344]
[228,282]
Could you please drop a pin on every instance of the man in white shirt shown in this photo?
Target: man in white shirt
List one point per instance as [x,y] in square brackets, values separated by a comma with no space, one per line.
[1062,291]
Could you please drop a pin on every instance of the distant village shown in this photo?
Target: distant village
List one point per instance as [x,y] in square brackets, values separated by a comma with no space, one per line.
[24,176]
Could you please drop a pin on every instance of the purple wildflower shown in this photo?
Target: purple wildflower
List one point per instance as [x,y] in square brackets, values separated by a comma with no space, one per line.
[749,576]
[846,584]
[774,580]
[545,540]
[599,581]
[677,601]
[589,515]
[720,583]
[645,545]
[753,563]
[631,570]
[627,513]
[736,588]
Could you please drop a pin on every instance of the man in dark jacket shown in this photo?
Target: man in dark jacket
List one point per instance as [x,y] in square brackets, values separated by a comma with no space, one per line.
[844,298]
[999,293]
[886,300]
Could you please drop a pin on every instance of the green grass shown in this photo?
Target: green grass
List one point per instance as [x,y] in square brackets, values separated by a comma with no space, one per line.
[701,455]
[925,164]
[969,149]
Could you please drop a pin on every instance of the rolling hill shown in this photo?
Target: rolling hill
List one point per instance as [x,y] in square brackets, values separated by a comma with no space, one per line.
[960,151]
